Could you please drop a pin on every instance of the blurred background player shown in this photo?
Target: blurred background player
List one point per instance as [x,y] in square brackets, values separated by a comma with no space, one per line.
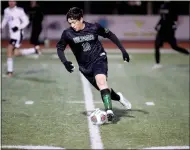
[166,28]
[82,38]
[36,18]
[17,20]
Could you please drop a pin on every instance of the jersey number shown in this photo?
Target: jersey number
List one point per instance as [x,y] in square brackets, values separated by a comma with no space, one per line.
[86,46]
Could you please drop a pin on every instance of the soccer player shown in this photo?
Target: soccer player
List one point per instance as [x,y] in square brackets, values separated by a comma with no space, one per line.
[17,21]
[82,37]
[166,28]
[36,17]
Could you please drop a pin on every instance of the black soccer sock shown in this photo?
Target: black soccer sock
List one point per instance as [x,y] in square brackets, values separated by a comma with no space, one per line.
[106,98]
[157,55]
[114,95]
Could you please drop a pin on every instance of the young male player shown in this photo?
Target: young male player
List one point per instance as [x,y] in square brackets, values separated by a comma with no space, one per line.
[82,37]
[17,21]
[166,28]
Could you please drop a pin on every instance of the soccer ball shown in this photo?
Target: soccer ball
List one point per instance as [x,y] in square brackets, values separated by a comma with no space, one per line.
[98,117]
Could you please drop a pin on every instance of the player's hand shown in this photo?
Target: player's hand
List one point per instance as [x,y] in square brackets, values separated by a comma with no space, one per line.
[28,26]
[15,29]
[174,26]
[69,66]
[126,57]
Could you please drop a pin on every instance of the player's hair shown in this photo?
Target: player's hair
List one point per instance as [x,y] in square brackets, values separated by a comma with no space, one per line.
[74,13]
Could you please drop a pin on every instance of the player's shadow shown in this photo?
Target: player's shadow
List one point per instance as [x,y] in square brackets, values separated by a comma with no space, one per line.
[35,71]
[168,67]
[122,113]
[33,79]
[24,76]
[127,113]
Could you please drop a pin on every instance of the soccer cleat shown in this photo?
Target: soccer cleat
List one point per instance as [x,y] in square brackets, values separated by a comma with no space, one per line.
[110,115]
[124,101]
[157,66]
[9,74]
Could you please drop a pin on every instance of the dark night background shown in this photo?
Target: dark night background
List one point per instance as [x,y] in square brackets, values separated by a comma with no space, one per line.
[101,7]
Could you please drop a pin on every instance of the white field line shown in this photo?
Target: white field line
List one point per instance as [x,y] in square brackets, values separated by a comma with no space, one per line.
[29,147]
[95,138]
[150,103]
[29,102]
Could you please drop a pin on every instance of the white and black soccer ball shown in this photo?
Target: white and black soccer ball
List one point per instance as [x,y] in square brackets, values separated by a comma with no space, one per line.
[98,117]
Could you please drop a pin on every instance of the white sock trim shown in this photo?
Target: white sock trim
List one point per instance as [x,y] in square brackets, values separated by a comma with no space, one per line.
[9,64]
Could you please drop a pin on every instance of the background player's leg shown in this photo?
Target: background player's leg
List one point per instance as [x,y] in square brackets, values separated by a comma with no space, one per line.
[172,41]
[35,36]
[26,51]
[22,52]
[10,60]
[34,40]
[157,45]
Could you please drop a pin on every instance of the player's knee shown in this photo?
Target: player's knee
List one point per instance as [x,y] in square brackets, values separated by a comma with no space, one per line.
[17,52]
[101,81]
[157,45]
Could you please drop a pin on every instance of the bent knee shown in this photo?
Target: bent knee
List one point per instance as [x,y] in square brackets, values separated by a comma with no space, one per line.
[101,81]
[17,52]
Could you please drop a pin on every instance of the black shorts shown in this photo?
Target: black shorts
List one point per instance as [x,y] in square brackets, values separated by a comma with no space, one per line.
[16,42]
[99,67]
[162,37]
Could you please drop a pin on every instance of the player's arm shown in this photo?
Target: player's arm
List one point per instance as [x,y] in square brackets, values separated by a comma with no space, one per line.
[5,19]
[24,19]
[106,33]
[61,45]
[158,25]
[174,15]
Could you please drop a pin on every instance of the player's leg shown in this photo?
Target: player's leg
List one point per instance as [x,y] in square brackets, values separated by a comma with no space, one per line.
[90,77]
[10,58]
[25,51]
[105,94]
[21,52]
[172,41]
[35,38]
[100,69]
[158,44]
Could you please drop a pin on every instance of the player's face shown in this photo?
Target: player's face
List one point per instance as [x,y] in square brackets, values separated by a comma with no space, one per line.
[76,24]
[33,3]
[12,4]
